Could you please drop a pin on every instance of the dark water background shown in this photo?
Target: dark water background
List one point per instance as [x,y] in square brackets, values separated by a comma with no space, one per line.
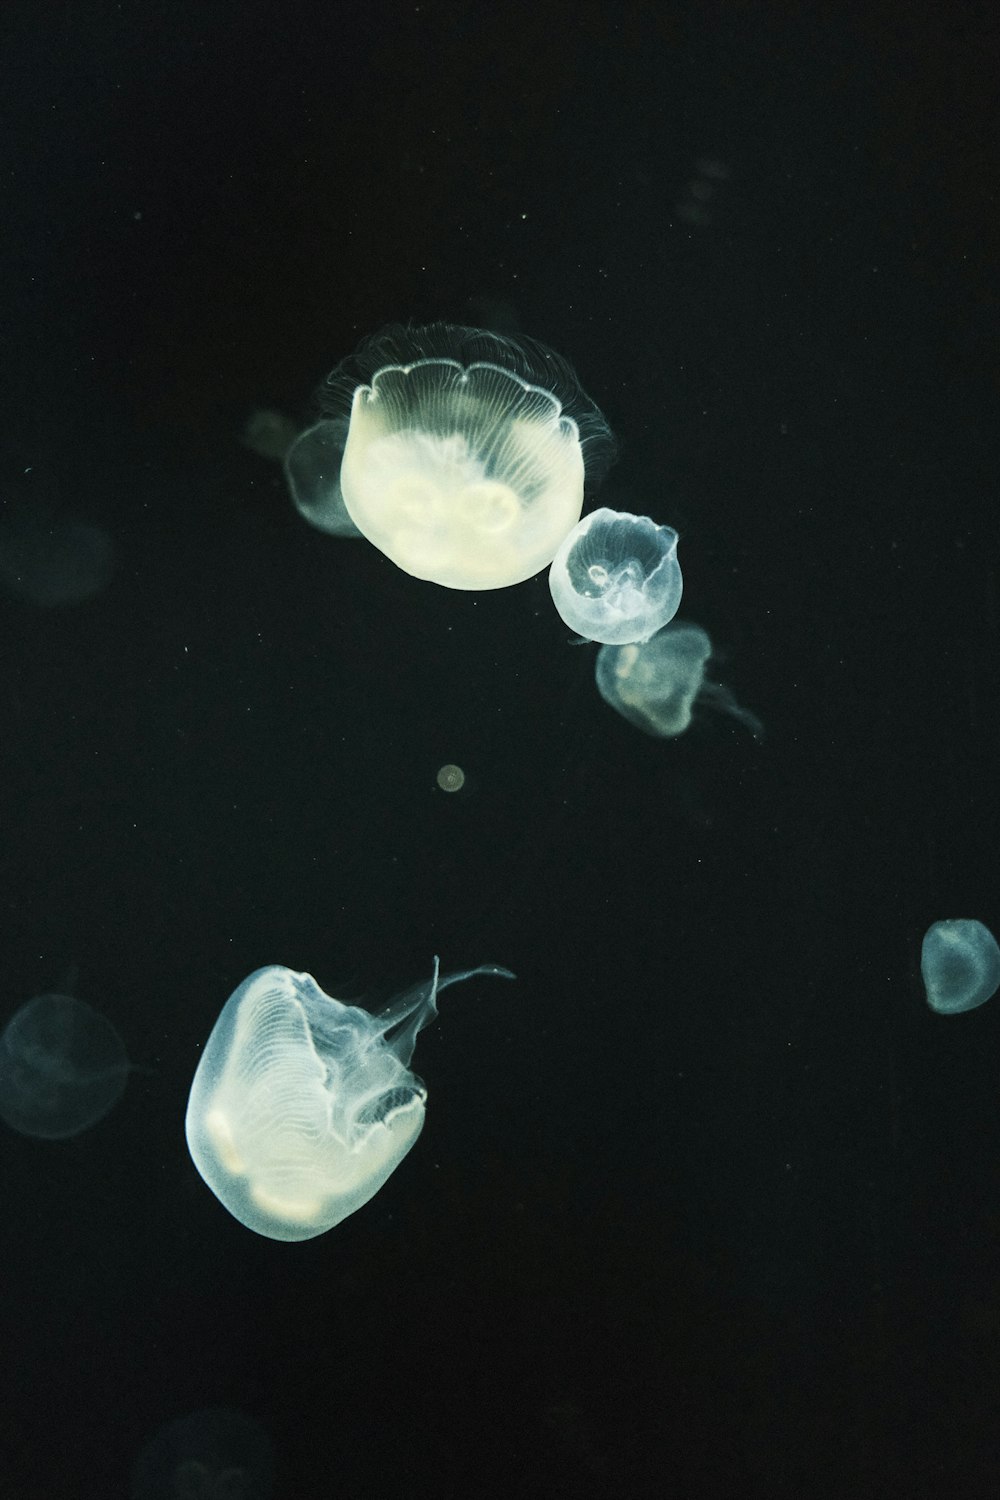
[708,1203]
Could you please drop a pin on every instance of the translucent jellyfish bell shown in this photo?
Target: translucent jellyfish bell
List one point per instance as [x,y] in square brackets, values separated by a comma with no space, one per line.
[63,1067]
[302,1106]
[216,1454]
[616,578]
[312,469]
[657,683]
[51,559]
[466,451]
[960,965]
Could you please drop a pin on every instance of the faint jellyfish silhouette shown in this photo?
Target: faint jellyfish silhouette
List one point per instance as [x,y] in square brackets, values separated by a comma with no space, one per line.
[451,778]
[616,578]
[63,1067]
[465,455]
[312,469]
[269,434]
[657,684]
[218,1454]
[960,965]
[302,1106]
[51,559]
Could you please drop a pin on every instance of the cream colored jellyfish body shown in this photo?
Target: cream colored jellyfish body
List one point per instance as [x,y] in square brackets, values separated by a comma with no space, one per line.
[466,451]
[301,1105]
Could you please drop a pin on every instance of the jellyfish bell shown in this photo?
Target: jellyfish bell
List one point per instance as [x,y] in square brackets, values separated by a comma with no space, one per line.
[216,1454]
[47,556]
[63,1067]
[312,471]
[467,452]
[616,578]
[302,1106]
[657,684]
[960,965]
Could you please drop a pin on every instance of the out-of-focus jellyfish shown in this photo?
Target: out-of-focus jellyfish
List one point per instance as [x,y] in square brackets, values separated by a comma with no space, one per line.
[960,964]
[657,684]
[270,434]
[63,1066]
[302,1106]
[52,559]
[312,469]
[465,454]
[218,1454]
[451,778]
[616,578]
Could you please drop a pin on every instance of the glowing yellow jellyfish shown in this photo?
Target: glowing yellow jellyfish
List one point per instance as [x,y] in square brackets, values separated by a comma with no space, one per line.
[466,451]
[302,1106]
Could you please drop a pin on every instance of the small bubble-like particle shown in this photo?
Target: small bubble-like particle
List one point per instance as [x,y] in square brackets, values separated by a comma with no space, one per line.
[451,778]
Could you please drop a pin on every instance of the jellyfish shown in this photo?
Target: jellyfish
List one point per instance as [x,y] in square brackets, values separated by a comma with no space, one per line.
[51,559]
[656,684]
[216,1454]
[465,456]
[269,433]
[63,1067]
[451,778]
[616,578]
[301,1105]
[312,469]
[960,965]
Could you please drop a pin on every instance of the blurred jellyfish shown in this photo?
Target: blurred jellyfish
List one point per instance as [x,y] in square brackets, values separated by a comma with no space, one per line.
[312,469]
[656,684]
[465,455]
[960,965]
[451,778]
[302,1106]
[49,558]
[218,1454]
[616,578]
[269,433]
[63,1067]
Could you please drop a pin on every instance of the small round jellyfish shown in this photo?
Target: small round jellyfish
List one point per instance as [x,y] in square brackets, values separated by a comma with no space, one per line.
[465,454]
[302,1106]
[451,778]
[616,578]
[960,965]
[657,683]
[63,1067]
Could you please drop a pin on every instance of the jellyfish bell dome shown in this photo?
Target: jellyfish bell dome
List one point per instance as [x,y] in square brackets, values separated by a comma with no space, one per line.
[63,1067]
[615,578]
[467,452]
[312,471]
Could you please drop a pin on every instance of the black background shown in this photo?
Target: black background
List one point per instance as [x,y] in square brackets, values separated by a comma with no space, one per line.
[708,1202]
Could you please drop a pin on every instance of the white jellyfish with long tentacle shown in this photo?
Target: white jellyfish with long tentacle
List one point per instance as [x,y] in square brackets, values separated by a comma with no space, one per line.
[302,1106]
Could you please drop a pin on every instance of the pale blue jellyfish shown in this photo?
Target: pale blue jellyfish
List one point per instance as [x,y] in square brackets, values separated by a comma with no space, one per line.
[53,560]
[63,1066]
[657,684]
[960,964]
[312,469]
[616,578]
[465,454]
[302,1106]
